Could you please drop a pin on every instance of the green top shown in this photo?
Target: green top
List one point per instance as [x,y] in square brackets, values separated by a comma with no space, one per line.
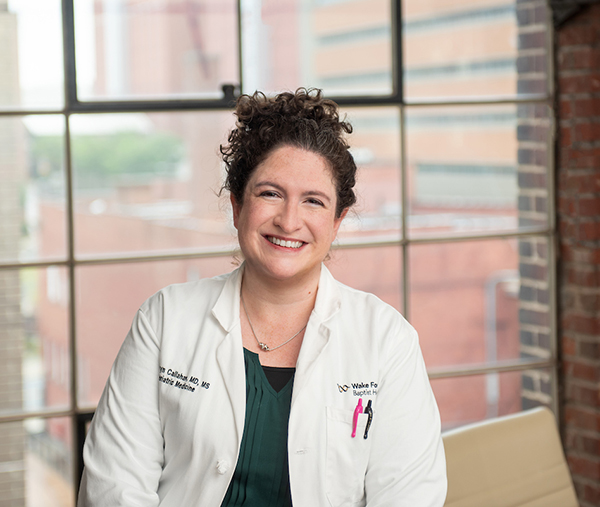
[261,477]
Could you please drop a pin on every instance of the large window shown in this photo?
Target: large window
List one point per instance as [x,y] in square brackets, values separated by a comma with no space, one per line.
[111,114]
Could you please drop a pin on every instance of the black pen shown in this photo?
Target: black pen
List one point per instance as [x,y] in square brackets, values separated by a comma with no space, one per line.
[369,411]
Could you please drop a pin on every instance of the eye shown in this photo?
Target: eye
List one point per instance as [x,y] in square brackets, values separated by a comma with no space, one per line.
[316,202]
[268,193]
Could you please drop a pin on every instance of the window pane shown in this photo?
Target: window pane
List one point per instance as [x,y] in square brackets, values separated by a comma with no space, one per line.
[148,182]
[343,46]
[477,169]
[375,145]
[35,463]
[474,48]
[479,302]
[463,400]
[132,49]
[34,351]
[23,24]
[108,298]
[33,188]
[362,268]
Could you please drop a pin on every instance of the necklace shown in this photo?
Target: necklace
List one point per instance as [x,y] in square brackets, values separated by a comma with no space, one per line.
[262,345]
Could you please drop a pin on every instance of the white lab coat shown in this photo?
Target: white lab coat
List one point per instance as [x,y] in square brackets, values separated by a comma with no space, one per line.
[168,427]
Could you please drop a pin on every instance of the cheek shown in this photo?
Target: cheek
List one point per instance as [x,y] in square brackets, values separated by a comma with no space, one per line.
[327,228]
[252,217]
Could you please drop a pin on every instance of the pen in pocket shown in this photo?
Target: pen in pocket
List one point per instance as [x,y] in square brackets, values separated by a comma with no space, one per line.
[369,412]
[357,411]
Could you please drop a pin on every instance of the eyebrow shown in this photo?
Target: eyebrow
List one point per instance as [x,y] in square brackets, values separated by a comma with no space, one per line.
[305,194]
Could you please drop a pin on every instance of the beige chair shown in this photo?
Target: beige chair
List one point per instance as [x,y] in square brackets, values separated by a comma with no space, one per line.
[512,461]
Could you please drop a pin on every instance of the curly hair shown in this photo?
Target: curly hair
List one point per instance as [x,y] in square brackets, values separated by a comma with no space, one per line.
[303,119]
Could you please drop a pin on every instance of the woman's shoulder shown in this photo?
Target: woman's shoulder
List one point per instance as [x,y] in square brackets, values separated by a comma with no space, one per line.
[374,326]
[366,301]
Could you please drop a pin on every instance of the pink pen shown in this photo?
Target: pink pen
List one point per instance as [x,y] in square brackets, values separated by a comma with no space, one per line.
[357,410]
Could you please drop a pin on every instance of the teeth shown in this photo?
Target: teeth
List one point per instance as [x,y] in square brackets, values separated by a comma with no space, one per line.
[287,244]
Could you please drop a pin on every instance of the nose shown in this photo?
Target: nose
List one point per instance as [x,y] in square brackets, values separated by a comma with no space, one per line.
[288,217]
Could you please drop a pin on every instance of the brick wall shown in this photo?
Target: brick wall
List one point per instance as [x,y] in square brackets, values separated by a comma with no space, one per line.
[12,172]
[533,127]
[578,206]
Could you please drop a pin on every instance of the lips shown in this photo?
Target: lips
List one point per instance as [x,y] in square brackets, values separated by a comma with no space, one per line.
[285,243]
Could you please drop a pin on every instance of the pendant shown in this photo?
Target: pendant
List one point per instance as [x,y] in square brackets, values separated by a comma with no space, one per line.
[264,346]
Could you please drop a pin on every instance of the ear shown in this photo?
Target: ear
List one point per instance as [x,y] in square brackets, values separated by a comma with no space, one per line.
[338,221]
[236,210]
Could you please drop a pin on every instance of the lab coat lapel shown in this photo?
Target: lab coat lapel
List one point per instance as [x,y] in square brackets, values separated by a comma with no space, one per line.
[230,354]
[319,330]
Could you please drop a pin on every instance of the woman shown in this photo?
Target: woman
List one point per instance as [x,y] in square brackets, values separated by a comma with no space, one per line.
[274,384]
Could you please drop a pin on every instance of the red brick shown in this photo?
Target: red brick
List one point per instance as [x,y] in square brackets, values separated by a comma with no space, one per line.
[584,132]
[586,443]
[578,57]
[589,349]
[579,484]
[589,207]
[566,108]
[590,303]
[574,33]
[572,437]
[584,108]
[576,369]
[567,229]
[571,83]
[564,181]
[591,493]
[569,346]
[566,159]
[578,206]
[581,394]
[584,467]
[579,254]
[565,249]
[580,324]
[581,418]
[575,255]
[585,183]
[565,136]
[594,58]
[566,206]
[562,204]
[575,158]
[590,445]
[589,231]
[569,300]
[578,82]
[591,182]
[571,320]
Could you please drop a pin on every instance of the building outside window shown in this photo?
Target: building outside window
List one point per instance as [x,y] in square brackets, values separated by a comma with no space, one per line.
[109,168]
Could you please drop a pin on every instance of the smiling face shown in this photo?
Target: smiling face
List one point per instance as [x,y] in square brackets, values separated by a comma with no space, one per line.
[287,221]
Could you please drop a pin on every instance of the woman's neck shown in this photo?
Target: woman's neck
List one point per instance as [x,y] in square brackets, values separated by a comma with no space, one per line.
[277,293]
[272,314]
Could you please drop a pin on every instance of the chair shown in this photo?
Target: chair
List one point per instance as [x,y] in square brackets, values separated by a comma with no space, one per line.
[511,461]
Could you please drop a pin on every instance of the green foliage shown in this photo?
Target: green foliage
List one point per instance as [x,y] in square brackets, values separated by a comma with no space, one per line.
[47,154]
[126,157]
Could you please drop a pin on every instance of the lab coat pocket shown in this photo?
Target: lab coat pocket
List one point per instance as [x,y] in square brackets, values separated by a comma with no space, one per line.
[347,458]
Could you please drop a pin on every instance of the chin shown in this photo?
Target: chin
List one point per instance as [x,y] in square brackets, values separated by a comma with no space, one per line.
[283,273]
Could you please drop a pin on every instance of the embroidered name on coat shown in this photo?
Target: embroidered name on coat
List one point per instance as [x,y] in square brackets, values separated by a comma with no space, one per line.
[174,378]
